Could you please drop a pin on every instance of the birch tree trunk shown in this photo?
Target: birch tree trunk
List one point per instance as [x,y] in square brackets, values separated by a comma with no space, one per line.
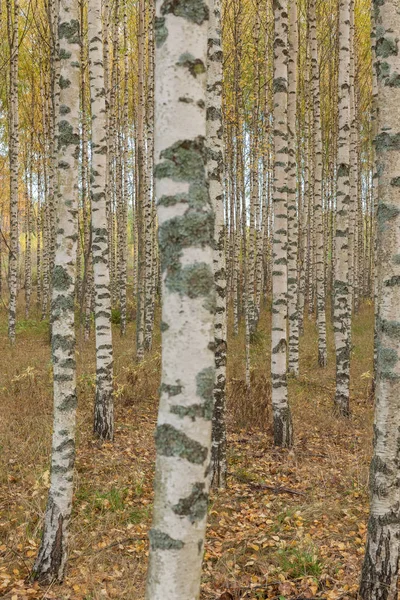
[13,39]
[125,199]
[150,212]
[380,574]
[103,410]
[342,316]
[28,241]
[141,185]
[283,428]
[292,208]
[318,216]
[186,231]
[215,178]
[51,561]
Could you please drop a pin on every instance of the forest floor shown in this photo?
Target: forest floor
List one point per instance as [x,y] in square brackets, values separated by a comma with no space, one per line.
[291,524]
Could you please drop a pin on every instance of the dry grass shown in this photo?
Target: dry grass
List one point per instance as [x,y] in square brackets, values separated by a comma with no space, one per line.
[309,538]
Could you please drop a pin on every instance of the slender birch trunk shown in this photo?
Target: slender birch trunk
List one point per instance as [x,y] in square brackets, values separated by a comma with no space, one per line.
[342,317]
[51,560]
[28,238]
[125,198]
[39,239]
[141,188]
[318,214]
[293,317]
[150,213]
[215,178]
[103,410]
[380,574]
[53,142]
[186,231]
[283,428]
[13,39]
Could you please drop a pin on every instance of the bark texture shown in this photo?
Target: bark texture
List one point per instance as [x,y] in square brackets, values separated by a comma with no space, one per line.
[341,315]
[51,561]
[283,428]
[380,574]
[103,410]
[215,179]
[186,233]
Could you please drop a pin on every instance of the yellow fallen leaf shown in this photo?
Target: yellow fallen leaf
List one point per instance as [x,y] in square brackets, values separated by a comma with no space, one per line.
[254,547]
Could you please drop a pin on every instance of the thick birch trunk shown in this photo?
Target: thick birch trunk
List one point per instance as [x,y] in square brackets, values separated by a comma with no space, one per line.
[186,231]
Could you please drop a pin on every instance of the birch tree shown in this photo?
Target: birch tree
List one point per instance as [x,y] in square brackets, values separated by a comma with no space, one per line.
[51,561]
[215,178]
[320,264]
[283,428]
[13,124]
[341,317]
[103,412]
[293,316]
[380,573]
[186,230]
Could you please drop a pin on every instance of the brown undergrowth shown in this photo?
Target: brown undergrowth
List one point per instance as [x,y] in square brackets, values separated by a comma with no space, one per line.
[290,525]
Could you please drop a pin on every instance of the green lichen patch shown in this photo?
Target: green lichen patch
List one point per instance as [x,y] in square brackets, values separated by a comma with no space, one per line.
[387,360]
[64,54]
[160,31]
[386,212]
[385,141]
[386,46]
[159,540]
[390,328]
[193,281]
[173,442]
[164,326]
[192,229]
[196,11]
[63,82]
[70,31]
[171,390]
[66,135]
[205,383]
[194,65]
[194,506]
[61,279]
[172,200]
[194,411]
[183,161]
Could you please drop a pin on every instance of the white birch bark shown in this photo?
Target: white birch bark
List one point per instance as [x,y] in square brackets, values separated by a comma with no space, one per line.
[103,411]
[28,240]
[293,229]
[283,428]
[142,205]
[51,561]
[317,181]
[186,230]
[150,251]
[13,124]
[215,179]
[342,316]
[380,574]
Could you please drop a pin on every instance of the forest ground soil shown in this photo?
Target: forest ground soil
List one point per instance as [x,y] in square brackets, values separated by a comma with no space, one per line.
[291,524]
